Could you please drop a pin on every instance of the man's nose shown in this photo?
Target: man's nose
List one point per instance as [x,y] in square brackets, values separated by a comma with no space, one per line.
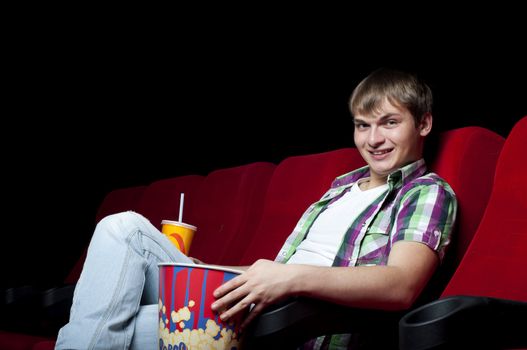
[375,137]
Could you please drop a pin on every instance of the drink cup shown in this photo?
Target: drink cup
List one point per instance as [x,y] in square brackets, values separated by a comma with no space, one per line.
[186,320]
[179,233]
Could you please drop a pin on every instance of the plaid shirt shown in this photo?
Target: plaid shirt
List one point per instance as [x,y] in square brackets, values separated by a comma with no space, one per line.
[417,206]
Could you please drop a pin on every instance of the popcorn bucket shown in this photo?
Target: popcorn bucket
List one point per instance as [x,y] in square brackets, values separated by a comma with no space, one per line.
[186,320]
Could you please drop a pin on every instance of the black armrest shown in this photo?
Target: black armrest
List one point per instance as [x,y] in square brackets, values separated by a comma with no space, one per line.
[17,304]
[39,297]
[56,305]
[465,321]
[58,295]
[292,323]
[36,309]
[21,295]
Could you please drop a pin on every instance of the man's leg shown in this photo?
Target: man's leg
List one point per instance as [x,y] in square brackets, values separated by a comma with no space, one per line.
[146,328]
[119,274]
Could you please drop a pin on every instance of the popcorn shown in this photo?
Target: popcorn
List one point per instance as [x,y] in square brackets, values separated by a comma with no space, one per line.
[213,337]
[182,314]
[212,328]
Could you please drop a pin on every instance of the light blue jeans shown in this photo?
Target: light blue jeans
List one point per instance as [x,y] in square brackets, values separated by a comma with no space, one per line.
[115,305]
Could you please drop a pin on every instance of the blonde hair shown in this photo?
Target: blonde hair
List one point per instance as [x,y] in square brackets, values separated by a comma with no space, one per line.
[399,88]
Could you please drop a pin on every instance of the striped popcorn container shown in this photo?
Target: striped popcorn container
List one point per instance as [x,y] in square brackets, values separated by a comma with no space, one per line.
[186,320]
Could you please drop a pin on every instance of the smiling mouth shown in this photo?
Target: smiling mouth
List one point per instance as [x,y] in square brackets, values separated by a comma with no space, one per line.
[382,152]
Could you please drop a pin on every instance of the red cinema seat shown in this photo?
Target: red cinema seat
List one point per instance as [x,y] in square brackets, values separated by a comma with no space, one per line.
[228,208]
[119,200]
[297,182]
[485,303]
[19,341]
[467,160]
[160,200]
[44,345]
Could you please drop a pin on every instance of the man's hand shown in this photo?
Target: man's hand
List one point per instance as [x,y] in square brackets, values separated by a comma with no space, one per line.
[264,283]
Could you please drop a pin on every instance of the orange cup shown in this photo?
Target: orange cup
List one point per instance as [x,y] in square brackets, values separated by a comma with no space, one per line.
[179,233]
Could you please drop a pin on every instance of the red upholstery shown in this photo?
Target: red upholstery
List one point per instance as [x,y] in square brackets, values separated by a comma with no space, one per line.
[228,208]
[118,200]
[44,345]
[296,183]
[467,161]
[495,264]
[17,341]
[160,200]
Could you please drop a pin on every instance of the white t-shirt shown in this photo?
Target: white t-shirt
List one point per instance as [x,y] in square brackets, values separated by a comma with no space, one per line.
[325,235]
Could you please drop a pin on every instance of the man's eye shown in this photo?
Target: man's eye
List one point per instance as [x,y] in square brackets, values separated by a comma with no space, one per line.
[361,126]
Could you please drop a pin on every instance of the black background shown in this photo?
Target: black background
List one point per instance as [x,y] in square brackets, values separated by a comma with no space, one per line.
[91,108]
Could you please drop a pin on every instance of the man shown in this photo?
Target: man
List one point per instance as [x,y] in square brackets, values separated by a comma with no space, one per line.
[373,240]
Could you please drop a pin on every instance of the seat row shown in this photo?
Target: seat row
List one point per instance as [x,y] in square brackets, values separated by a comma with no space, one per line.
[246,212]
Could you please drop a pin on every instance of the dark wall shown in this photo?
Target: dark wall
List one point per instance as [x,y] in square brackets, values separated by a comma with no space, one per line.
[103,117]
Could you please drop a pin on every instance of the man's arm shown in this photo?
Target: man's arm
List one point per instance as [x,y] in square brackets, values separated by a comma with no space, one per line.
[391,287]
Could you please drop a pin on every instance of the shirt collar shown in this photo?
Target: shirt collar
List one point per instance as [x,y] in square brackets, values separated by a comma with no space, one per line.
[397,179]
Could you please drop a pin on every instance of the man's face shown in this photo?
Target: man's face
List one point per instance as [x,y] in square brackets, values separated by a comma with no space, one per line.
[389,139]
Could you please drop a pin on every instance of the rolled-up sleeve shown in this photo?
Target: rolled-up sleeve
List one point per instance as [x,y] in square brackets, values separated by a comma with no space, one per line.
[427,214]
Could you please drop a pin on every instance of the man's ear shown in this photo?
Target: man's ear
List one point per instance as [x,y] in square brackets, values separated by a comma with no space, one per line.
[426,124]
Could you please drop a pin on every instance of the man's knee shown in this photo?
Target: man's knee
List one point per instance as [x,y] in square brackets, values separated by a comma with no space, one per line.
[122,223]
[121,218]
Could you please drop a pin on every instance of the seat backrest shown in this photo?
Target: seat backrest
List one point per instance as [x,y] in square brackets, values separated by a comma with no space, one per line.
[495,264]
[119,200]
[19,341]
[160,200]
[115,201]
[228,208]
[466,158]
[297,182]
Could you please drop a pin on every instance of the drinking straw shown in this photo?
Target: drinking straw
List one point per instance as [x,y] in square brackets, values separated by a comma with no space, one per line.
[181,201]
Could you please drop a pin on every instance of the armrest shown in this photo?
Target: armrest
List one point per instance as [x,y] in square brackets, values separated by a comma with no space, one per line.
[21,294]
[17,303]
[58,295]
[56,305]
[298,320]
[37,296]
[41,311]
[465,321]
